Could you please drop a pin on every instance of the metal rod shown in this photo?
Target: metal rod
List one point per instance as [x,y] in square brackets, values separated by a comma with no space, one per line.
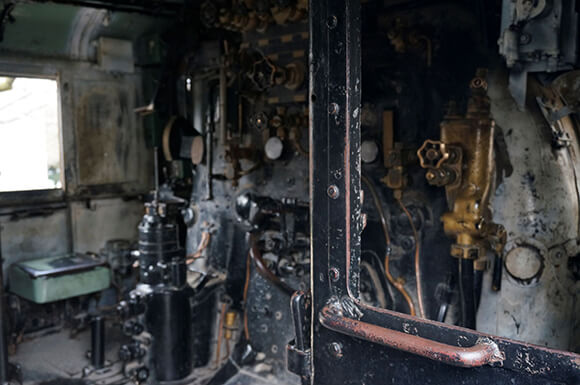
[484,352]
[156,171]
[210,122]
[223,105]
[98,341]
[467,293]
[3,336]
[497,270]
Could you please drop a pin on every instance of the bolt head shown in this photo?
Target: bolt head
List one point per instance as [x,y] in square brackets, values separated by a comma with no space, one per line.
[336,349]
[333,109]
[333,191]
[334,274]
[332,22]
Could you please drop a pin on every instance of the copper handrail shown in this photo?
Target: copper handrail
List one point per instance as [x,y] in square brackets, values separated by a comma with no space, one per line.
[484,352]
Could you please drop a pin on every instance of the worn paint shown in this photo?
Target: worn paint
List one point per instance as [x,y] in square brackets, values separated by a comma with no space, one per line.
[484,352]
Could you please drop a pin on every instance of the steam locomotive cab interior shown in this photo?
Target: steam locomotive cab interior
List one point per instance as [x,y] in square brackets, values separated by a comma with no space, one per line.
[289,192]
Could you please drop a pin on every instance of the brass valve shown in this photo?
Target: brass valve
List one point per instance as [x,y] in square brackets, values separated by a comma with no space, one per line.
[462,161]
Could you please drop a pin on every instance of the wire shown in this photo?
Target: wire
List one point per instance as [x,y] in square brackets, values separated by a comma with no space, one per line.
[417,259]
[245,298]
[398,283]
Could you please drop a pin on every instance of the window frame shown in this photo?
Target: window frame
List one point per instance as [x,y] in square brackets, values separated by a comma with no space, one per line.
[38,196]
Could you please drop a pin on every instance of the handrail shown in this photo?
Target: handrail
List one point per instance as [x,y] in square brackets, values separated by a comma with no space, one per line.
[484,352]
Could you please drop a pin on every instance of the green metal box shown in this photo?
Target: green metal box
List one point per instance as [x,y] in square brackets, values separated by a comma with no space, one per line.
[56,278]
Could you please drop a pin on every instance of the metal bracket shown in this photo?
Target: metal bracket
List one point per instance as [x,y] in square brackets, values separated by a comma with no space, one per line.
[299,353]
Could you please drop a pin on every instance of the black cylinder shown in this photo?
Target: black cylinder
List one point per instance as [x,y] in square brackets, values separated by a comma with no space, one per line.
[497,269]
[98,342]
[161,259]
[477,287]
[169,322]
[467,293]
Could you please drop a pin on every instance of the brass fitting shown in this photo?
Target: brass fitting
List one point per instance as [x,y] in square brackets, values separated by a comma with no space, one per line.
[463,162]
[229,324]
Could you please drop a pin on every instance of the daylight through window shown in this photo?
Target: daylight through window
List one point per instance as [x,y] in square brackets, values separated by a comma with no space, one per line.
[29,134]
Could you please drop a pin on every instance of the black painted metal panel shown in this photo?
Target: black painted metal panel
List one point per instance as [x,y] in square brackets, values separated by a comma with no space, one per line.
[336,225]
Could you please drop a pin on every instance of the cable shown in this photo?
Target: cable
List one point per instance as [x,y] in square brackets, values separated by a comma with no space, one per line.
[417,259]
[397,283]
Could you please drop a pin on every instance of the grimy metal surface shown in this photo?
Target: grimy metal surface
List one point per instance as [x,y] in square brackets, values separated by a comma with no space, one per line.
[347,355]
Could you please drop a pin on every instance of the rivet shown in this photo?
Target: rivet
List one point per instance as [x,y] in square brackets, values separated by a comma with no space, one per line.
[332,22]
[334,274]
[333,109]
[336,349]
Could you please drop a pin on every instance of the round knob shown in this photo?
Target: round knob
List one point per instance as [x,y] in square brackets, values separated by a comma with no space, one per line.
[274,148]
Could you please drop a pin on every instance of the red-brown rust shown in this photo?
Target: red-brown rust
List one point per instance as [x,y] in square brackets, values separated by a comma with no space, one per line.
[483,353]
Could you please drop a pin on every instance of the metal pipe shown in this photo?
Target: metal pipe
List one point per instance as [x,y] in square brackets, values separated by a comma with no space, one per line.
[477,287]
[209,150]
[98,341]
[467,293]
[223,104]
[156,172]
[497,270]
[3,336]
[417,259]
[396,282]
[484,352]
[265,272]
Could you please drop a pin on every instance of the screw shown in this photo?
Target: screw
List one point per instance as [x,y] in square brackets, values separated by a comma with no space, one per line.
[336,349]
[333,191]
[333,109]
[334,274]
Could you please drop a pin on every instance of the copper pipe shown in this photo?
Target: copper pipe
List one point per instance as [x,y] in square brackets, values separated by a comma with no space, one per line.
[204,242]
[265,272]
[398,283]
[417,260]
[484,352]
